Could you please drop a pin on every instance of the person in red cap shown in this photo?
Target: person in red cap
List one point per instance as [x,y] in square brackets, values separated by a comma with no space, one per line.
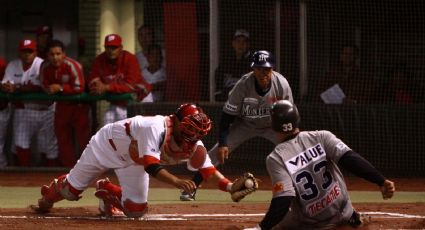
[30,118]
[44,36]
[63,75]
[4,118]
[116,71]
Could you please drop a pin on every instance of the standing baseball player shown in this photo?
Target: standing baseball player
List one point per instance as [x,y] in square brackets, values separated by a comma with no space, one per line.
[246,113]
[116,71]
[30,117]
[136,148]
[61,74]
[4,118]
[309,191]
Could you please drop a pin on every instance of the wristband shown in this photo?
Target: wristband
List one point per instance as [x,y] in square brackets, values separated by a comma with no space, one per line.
[222,184]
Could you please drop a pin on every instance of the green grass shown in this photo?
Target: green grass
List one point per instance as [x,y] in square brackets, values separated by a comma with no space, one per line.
[19,197]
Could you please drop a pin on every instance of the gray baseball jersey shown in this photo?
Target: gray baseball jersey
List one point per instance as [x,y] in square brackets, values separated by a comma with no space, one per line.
[252,108]
[305,167]
[252,111]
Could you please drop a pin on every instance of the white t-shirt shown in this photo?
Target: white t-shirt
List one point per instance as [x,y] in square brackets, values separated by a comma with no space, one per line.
[15,72]
[153,78]
[143,61]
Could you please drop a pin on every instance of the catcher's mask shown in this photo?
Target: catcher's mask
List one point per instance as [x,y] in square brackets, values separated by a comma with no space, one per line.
[194,124]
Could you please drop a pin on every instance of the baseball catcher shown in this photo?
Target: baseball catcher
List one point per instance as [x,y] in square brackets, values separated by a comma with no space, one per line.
[137,148]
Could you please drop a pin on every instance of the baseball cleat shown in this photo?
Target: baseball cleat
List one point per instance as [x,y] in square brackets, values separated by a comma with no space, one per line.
[358,220]
[39,209]
[106,200]
[184,196]
[44,205]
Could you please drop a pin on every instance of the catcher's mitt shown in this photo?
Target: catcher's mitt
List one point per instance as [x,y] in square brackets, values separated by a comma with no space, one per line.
[239,190]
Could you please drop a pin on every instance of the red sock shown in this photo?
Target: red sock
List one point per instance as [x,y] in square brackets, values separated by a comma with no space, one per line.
[24,156]
[52,162]
[114,189]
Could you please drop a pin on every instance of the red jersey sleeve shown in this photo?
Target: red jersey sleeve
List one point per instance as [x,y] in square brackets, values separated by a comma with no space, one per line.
[76,83]
[129,68]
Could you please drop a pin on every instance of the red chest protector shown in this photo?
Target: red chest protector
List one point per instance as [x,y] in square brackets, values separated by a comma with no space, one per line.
[170,147]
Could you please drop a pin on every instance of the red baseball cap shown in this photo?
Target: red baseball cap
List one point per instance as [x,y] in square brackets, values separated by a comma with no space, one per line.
[44,30]
[27,44]
[113,40]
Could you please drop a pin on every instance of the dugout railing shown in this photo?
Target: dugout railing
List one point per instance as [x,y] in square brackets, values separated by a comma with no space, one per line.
[389,136]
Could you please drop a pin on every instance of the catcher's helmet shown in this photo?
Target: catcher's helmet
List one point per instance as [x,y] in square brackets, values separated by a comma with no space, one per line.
[285,116]
[262,58]
[194,123]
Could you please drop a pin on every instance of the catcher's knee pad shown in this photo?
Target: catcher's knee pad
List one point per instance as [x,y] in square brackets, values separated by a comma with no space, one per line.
[132,209]
[67,191]
[57,190]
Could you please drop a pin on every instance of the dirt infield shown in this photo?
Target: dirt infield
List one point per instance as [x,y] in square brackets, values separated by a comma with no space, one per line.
[195,215]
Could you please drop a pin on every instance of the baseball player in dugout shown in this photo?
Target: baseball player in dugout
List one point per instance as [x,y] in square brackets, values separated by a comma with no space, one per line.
[63,75]
[146,38]
[246,113]
[4,118]
[136,148]
[44,35]
[116,71]
[309,191]
[30,117]
[233,66]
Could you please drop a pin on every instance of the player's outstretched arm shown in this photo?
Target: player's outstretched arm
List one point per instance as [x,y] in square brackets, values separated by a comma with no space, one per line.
[360,167]
[239,188]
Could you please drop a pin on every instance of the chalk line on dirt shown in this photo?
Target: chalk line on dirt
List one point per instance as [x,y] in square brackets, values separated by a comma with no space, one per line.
[153,217]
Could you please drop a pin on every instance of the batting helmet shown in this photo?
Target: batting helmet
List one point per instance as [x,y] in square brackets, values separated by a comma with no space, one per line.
[194,123]
[285,116]
[262,58]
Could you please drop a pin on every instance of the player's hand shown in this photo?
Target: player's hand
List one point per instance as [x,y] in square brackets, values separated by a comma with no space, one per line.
[387,189]
[53,88]
[97,87]
[8,87]
[222,154]
[187,185]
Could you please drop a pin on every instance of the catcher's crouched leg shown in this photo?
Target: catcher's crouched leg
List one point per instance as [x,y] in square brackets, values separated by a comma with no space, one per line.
[58,190]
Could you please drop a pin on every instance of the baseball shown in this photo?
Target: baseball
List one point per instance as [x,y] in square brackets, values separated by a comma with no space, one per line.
[249,183]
